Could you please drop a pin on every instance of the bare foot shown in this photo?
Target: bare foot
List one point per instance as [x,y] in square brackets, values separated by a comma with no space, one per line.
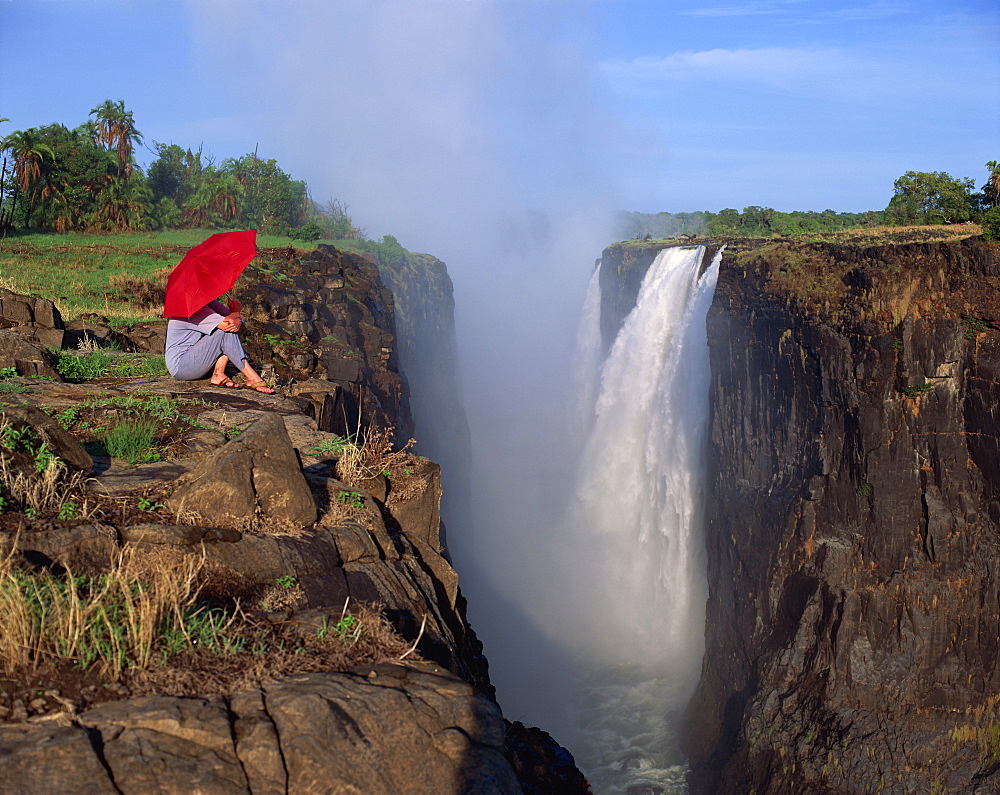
[225,382]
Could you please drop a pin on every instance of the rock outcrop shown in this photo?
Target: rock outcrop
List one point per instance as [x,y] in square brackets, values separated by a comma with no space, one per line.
[425,327]
[257,474]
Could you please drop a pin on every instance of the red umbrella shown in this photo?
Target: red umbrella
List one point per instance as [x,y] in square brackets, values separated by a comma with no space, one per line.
[207,271]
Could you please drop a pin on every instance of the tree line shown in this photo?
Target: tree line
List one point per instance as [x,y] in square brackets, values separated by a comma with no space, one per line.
[57,179]
[919,198]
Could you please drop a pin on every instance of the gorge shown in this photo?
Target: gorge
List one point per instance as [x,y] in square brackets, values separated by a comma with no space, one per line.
[827,416]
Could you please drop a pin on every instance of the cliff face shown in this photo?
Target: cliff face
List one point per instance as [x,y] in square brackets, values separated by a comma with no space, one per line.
[853,522]
[425,328]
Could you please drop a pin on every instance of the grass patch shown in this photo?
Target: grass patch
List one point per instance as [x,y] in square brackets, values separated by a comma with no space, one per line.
[134,441]
[152,624]
[807,272]
[91,365]
[140,427]
[112,621]
[86,367]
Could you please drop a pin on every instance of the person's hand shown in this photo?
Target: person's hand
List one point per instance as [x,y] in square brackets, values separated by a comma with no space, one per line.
[231,322]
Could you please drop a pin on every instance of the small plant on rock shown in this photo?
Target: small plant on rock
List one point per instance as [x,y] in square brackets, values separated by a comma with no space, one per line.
[68,510]
[917,391]
[147,504]
[352,499]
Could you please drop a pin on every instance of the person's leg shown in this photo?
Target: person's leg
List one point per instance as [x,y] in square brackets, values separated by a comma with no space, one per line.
[233,350]
[219,373]
[200,359]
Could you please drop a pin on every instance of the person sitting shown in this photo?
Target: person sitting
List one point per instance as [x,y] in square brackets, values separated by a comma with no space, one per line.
[206,343]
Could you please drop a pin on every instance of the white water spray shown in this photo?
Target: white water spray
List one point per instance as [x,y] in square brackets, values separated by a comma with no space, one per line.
[636,518]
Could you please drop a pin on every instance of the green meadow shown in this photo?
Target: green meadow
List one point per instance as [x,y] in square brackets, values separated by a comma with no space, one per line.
[84,272]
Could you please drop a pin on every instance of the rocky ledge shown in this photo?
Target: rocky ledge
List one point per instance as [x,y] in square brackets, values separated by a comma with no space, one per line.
[250,488]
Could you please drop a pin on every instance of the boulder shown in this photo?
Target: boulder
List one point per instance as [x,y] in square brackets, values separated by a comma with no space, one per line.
[29,357]
[159,744]
[28,310]
[50,758]
[149,336]
[95,330]
[47,430]
[84,548]
[258,471]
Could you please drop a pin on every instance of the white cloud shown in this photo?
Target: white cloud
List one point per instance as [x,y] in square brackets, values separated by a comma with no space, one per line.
[799,11]
[818,73]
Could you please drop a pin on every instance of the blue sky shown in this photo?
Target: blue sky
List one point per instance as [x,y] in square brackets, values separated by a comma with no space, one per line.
[398,105]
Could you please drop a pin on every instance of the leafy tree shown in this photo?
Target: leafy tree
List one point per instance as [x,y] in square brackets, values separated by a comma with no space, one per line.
[272,201]
[29,154]
[991,223]
[930,198]
[336,223]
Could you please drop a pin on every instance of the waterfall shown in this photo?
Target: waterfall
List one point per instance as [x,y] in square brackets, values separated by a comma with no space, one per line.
[636,518]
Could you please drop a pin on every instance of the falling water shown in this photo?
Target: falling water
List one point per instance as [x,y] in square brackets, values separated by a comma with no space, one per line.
[636,517]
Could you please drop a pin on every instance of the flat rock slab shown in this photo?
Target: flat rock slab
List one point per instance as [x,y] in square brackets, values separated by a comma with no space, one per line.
[389,728]
[121,479]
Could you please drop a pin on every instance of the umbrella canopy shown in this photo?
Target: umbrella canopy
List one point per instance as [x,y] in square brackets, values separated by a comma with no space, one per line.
[207,271]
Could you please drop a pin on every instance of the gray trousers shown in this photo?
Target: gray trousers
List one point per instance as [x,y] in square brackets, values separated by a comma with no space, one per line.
[198,360]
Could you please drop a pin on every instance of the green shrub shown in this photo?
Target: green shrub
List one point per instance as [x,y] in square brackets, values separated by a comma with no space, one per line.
[991,224]
[82,368]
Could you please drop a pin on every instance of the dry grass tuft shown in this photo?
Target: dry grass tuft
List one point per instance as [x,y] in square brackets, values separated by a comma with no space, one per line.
[52,489]
[111,621]
[362,636]
[362,462]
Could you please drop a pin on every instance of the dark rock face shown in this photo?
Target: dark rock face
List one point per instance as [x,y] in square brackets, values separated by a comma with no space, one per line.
[425,327]
[26,355]
[327,315]
[34,318]
[854,523]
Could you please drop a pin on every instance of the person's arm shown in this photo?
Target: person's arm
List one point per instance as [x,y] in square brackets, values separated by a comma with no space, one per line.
[232,320]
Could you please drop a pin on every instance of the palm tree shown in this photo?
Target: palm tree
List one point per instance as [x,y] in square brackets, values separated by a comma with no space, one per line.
[28,153]
[115,128]
[992,188]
